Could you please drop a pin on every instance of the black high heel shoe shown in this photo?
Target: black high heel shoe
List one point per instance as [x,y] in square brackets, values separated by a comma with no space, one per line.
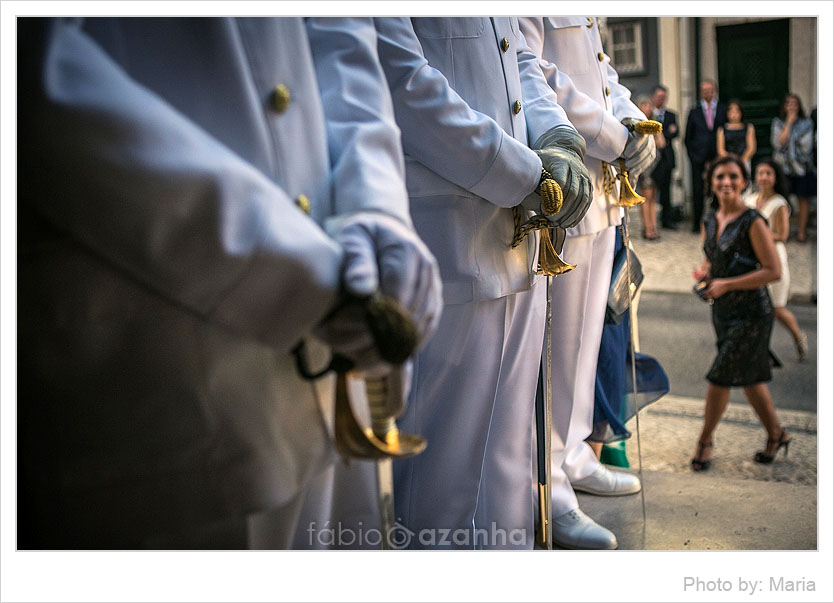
[784,440]
[698,462]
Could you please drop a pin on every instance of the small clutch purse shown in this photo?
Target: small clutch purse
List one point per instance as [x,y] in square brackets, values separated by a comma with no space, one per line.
[623,285]
[699,289]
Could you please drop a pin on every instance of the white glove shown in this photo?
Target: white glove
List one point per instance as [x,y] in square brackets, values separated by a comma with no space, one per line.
[562,152]
[639,151]
[381,254]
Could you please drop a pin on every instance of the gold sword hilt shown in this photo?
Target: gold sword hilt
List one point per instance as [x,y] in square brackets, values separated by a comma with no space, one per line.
[645,126]
[551,194]
[383,425]
[382,439]
[550,263]
[628,196]
[395,336]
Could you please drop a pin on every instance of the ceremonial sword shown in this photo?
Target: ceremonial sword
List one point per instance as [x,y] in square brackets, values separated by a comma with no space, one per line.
[395,337]
[628,198]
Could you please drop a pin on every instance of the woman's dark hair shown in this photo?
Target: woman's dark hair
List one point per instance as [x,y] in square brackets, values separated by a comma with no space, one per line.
[780,187]
[783,113]
[729,158]
[737,103]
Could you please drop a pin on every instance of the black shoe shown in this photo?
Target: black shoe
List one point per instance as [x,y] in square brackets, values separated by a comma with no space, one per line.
[699,463]
[669,226]
[784,440]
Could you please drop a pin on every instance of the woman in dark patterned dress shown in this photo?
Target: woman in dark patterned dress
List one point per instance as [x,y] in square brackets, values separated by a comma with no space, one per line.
[740,260]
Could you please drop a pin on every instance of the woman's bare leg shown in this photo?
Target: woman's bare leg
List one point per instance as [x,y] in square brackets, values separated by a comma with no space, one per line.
[787,318]
[649,211]
[714,407]
[759,397]
[804,211]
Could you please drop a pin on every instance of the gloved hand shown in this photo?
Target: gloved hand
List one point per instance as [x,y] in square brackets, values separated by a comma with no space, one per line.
[639,151]
[562,152]
[381,254]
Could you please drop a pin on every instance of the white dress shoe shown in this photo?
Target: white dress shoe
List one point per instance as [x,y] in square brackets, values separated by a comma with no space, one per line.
[575,530]
[604,482]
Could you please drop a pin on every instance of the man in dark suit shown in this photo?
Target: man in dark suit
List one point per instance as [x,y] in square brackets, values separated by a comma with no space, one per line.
[662,173]
[704,119]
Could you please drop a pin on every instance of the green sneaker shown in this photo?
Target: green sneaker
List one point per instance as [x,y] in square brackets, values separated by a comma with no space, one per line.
[614,454]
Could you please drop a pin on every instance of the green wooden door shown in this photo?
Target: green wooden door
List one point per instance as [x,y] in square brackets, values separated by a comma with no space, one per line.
[753,67]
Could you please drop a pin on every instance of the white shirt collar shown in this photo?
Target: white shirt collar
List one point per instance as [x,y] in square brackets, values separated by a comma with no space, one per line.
[713,103]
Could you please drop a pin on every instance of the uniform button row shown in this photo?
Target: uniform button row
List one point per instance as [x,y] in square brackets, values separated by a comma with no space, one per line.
[281,98]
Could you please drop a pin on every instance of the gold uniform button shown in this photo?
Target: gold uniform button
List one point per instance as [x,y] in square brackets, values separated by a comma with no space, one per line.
[607,91]
[505,44]
[600,56]
[517,107]
[281,98]
[303,203]
[590,22]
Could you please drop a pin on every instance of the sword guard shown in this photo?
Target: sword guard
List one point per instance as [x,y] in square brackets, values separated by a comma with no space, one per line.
[354,441]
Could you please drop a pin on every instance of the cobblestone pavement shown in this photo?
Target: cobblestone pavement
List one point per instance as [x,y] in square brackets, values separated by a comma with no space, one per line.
[669,430]
[735,505]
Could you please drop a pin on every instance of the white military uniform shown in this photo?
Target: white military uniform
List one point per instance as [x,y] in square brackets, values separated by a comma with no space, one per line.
[588,88]
[166,270]
[468,95]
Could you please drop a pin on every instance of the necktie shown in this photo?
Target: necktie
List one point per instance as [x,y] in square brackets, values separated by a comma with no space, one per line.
[709,116]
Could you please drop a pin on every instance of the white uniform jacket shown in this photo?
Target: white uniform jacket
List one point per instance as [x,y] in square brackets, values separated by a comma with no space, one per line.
[572,59]
[165,267]
[468,95]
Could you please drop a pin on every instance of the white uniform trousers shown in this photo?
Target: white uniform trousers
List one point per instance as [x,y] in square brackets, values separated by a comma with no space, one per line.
[579,300]
[276,529]
[338,510]
[473,399]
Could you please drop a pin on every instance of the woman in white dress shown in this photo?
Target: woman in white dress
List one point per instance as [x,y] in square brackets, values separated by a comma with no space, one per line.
[770,202]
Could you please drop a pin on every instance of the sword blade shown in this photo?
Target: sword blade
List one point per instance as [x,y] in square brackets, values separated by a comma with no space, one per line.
[384,428]
[548,414]
[385,497]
